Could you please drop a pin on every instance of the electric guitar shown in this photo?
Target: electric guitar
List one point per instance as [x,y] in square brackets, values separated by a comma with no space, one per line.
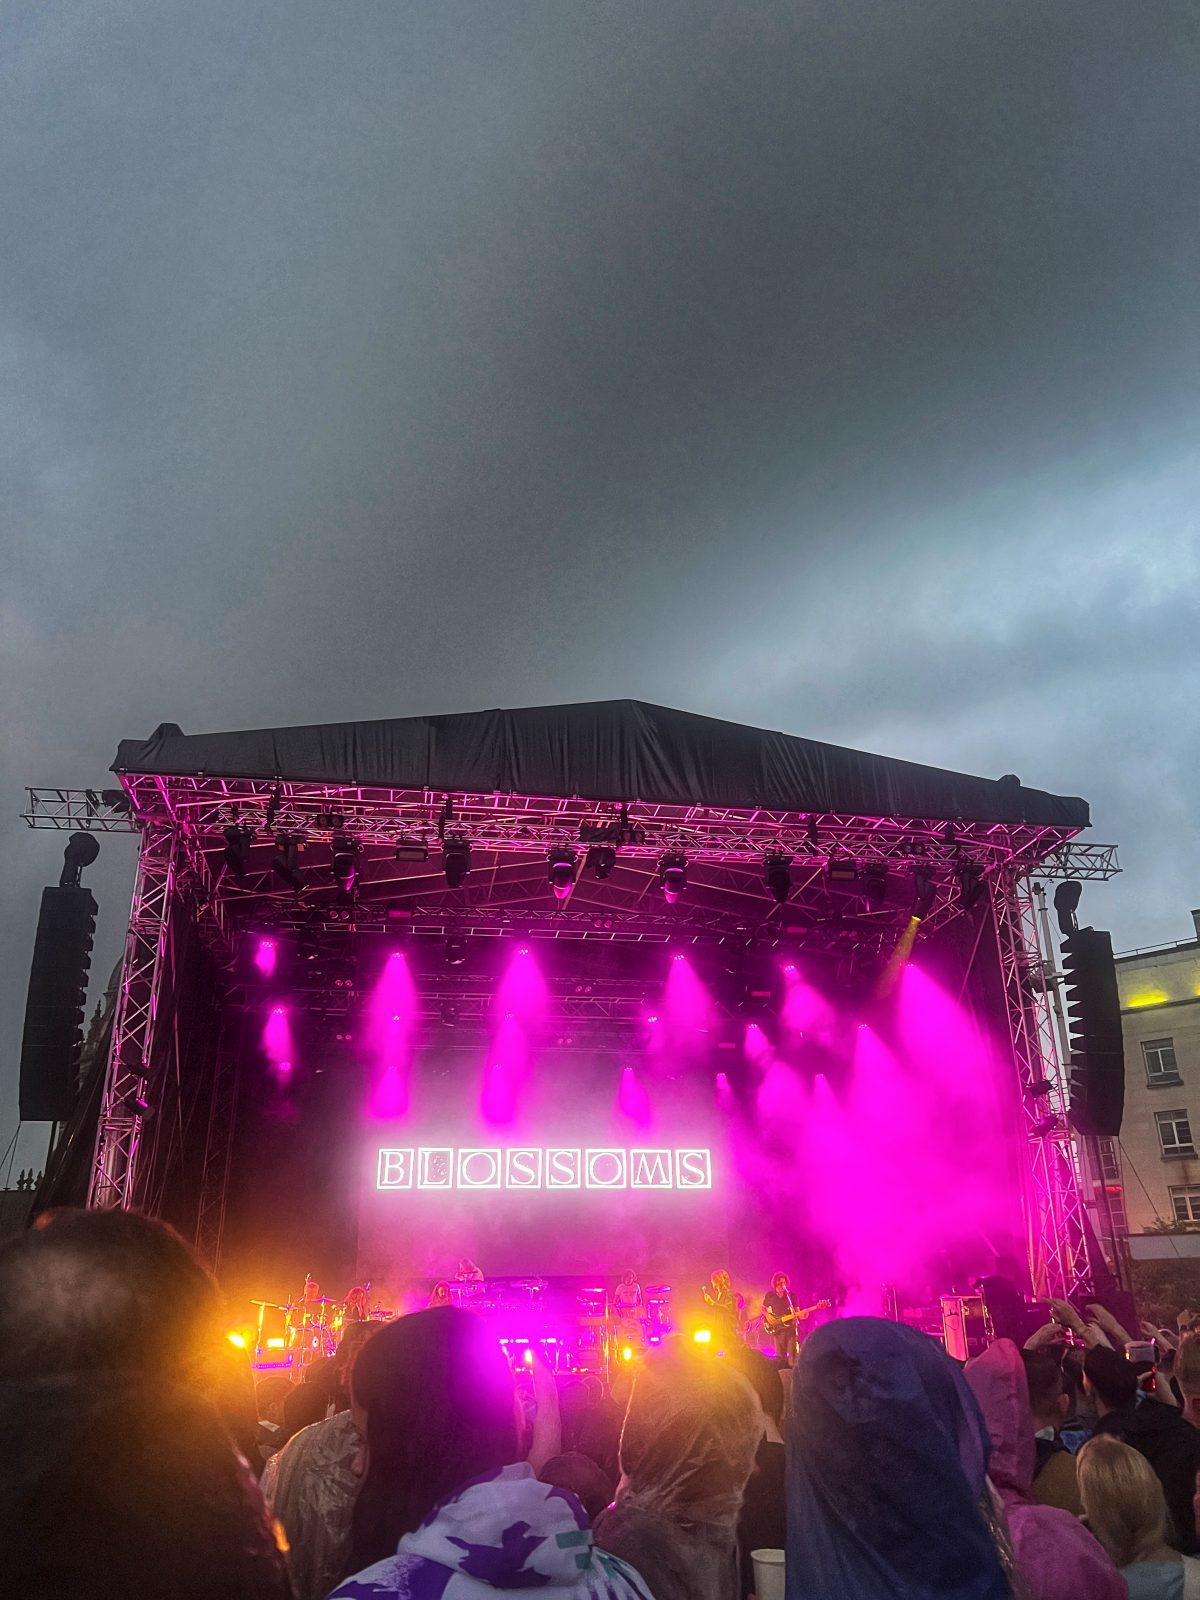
[778,1324]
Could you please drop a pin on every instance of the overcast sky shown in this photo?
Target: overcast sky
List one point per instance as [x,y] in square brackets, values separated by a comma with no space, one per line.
[829,365]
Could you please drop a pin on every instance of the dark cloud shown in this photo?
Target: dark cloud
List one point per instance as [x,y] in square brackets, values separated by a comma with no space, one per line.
[832,367]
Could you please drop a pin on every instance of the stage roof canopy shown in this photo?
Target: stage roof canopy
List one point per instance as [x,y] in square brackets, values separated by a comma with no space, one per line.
[609,750]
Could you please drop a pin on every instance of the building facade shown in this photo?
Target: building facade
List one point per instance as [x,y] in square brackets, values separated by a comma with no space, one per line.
[1153,1181]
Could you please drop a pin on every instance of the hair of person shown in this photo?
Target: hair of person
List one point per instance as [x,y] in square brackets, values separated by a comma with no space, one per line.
[1122,1499]
[690,1437]
[763,1377]
[580,1476]
[121,1490]
[1044,1375]
[780,1277]
[1187,1364]
[1111,1376]
[437,1392]
[83,1290]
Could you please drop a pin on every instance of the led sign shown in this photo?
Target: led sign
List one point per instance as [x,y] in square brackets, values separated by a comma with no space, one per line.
[542,1167]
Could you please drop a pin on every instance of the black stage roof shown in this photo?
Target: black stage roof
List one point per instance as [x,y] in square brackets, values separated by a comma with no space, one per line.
[608,750]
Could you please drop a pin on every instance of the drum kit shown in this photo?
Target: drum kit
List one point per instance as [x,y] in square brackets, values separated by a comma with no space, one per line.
[304,1330]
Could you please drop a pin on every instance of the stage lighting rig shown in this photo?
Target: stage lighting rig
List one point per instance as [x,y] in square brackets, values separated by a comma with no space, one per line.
[285,862]
[841,869]
[455,951]
[456,862]
[82,849]
[236,853]
[875,882]
[672,876]
[345,863]
[924,890]
[969,876]
[601,861]
[777,875]
[560,872]
[1066,902]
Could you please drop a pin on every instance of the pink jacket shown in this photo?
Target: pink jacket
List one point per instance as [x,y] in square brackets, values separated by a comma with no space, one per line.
[1058,1557]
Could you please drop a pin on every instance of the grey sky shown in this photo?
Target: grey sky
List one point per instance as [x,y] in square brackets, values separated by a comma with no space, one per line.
[829,366]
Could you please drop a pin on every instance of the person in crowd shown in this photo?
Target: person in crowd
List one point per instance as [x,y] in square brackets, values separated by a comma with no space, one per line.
[1126,1510]
[580,1475]
[446,1506]
[1187,1375]
[1169,1443]
[1058,1558]
[599,1432]
[310,1485]
[762,1524]
[1054,1482]
[117,1475]
[687,1451]
[887,1472]
[440,1294]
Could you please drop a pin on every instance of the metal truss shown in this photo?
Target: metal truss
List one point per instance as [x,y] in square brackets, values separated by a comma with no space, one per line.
[423,818]
[80,810]
[218,1153]
[1054,1210]
[114,1168]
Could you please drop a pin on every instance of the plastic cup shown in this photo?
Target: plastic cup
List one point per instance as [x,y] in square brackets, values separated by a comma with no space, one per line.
[768,1574]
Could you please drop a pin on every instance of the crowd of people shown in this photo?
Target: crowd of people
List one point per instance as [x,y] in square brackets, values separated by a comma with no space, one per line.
[137,1458]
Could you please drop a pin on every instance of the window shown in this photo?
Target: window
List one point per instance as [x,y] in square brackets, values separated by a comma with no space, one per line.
[1161,1066]
[1175,1133]
[1114,1205]
[1110,1166]
[1185,1203]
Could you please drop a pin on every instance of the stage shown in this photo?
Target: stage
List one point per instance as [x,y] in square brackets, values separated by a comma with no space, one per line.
[582,990]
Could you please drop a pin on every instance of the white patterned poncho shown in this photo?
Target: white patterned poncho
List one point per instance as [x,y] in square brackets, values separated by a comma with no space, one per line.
[505,1532]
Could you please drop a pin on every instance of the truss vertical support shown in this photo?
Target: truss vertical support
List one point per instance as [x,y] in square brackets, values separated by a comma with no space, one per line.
[114,1169]
[1054,1212]
[218,1149]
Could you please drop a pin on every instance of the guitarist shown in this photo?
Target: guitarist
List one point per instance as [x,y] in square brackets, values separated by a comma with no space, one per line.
[782,1315]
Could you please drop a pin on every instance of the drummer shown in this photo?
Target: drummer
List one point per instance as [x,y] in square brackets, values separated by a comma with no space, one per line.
[627,1298]
[468,1272]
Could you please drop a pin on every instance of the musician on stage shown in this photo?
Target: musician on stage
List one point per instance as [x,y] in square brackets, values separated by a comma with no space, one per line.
[627,1297]
[730,1307]
[354,1307]
[441,1295]
[782,1315]
[468,1272]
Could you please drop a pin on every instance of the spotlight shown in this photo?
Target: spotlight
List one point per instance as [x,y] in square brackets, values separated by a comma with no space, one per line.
[874,882]
[455,952]
[273,806]
[924,890]
[969,875]
[1039,1087]
[236,853]
[284,863]
[345,863]
[560,872]
[1066,899]
[672,875]
[626,1352]
[841,870]
[777,875]
[456,862]
[601,860]
[411,850]
[702,1336]
[82,849]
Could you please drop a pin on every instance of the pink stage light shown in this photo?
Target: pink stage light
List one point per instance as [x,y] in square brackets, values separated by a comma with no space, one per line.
[277,1043]
[522,991]
[391,1037]
[758,1046]
[805,1009]
[266,957]
[505,1075]
[686,1001]
[633,1102]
